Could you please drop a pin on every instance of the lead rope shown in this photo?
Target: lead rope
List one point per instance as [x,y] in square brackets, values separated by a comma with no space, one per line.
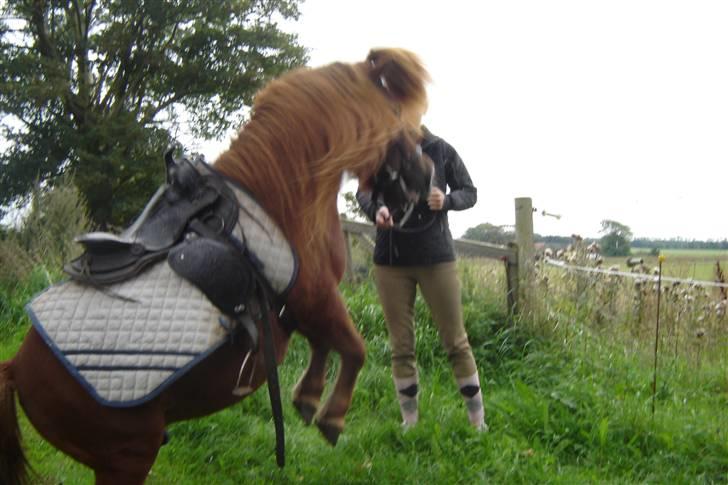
[398,227]
[410,206]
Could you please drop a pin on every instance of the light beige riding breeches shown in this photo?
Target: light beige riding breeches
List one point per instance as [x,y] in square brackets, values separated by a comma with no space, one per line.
[440,287]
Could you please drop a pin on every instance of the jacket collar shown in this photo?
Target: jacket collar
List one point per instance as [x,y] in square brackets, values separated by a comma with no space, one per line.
[427,137]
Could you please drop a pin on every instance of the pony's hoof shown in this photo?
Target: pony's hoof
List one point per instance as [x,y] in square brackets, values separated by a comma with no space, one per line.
[331,431]
[305,410]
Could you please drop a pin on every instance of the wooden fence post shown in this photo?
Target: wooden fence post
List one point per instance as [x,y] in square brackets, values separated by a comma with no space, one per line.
[349,271]
[524,240]
[512,282]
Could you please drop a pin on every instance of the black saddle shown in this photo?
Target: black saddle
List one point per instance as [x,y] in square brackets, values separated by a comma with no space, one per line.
[187,199]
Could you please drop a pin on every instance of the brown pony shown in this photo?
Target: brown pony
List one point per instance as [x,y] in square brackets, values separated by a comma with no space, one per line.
[306,129]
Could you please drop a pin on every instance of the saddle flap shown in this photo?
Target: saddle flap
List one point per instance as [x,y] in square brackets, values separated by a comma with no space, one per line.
[217,269]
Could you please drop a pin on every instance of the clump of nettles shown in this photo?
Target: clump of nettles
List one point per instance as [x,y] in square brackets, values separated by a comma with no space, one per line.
[45,234]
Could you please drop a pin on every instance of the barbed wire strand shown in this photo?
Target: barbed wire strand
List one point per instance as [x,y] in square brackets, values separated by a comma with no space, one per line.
[641,276]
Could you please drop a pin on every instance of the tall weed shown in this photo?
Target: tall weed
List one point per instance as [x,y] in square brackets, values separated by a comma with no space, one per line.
[57,215]
[45,236]
[15,261]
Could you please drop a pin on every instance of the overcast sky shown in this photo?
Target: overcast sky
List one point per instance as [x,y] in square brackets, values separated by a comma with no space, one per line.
[596,110]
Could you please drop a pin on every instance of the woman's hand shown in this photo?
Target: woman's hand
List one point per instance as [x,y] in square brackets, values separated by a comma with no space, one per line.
[383,218]
[436,199]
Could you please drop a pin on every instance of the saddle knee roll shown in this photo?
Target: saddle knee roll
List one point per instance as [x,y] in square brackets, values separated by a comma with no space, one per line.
[217,269]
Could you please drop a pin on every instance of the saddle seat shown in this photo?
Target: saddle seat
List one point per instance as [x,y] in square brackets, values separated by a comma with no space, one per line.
[188,198]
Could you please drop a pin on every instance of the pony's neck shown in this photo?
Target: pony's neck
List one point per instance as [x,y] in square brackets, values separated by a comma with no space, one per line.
[285,183]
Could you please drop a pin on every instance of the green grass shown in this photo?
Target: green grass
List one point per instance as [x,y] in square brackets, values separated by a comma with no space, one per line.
[576,413]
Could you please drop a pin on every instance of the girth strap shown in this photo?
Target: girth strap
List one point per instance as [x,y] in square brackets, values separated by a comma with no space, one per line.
[265,295]
[271,368]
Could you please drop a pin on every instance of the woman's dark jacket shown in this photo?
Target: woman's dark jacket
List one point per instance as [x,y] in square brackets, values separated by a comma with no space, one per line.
[425,239]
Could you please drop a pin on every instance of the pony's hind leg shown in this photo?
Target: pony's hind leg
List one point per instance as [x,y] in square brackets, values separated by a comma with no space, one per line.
[131,462]
[114,477]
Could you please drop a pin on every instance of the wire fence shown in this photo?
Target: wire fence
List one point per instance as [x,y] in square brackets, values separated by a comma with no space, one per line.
[633,275]
[625,304]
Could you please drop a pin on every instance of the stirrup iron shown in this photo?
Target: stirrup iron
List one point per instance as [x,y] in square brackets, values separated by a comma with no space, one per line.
[239,390]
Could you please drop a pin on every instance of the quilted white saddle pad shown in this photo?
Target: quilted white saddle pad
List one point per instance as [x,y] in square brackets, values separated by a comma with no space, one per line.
[125,351]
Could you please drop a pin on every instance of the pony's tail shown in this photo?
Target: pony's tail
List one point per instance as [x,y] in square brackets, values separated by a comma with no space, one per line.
[13,464]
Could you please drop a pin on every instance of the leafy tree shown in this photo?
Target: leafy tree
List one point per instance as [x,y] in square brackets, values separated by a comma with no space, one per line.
[351,208]
[489,233]
[616,239]
[96,87]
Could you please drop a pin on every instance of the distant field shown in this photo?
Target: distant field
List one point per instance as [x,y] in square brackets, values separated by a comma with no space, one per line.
[699,264]
[689,253]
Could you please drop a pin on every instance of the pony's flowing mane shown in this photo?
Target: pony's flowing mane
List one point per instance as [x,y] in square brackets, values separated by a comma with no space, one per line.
[311,125]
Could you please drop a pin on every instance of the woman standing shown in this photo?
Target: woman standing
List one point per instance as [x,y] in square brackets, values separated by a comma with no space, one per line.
[421,253]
